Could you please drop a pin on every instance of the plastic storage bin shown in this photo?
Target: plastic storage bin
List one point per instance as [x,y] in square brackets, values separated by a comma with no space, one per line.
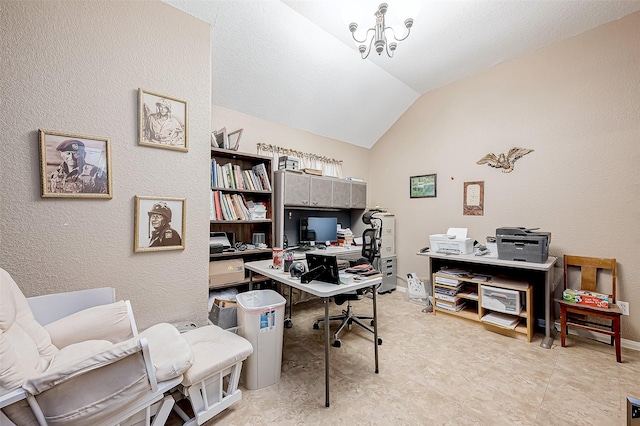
[261,322]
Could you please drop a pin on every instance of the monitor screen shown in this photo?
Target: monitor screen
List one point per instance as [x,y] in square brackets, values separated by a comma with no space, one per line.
[319,229]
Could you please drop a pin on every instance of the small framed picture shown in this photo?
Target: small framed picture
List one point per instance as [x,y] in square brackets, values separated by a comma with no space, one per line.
[422,186]
[159,224]
[162,121]
[219,139]
[234,139]
[74,166]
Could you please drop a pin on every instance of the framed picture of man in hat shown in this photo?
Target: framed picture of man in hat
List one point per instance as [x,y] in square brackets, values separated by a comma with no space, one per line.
[74,166]
[159,224]
[162,121]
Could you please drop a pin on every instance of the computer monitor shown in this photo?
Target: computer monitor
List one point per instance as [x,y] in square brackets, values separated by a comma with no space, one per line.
[318,229]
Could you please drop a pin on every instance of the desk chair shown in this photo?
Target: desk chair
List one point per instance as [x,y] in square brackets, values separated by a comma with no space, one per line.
[582,315]
[370,253]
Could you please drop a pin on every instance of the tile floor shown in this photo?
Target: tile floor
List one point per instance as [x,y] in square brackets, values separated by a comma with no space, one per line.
[437,370]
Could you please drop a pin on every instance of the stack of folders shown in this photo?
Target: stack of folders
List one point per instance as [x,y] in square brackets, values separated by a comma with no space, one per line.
[446,294]
[501,320]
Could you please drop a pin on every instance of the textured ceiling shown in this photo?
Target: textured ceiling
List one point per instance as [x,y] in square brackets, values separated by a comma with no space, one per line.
[293,62]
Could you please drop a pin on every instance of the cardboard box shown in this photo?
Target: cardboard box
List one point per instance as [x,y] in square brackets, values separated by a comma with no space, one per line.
[583,297]
[225,272]
[224,313]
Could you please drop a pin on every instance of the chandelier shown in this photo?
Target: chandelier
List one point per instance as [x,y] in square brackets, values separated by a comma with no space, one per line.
[377,36]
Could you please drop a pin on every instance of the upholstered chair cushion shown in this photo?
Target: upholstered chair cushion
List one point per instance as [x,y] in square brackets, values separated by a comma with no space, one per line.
[106,322]
[170,354]
[25,346]
[214,349]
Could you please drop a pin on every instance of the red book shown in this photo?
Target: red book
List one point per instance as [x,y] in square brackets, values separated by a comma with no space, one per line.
[216,196]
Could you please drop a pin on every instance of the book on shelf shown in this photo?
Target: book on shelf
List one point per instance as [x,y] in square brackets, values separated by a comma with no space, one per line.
[248,179]
[217,205]
[261,171]
[224,208]
[212,206]
[214,172]
[232,209]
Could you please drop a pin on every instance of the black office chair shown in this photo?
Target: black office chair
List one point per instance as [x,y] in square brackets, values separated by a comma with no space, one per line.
[370,253]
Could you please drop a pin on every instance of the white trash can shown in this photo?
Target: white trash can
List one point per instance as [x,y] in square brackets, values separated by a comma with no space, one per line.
[261,322]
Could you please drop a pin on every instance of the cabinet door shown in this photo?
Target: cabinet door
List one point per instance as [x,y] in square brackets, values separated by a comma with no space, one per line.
[358,195]
[341,194]
[320,192]
[296,190]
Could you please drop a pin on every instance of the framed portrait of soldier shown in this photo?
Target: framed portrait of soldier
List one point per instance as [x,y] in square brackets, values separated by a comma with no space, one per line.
[74,166]
[162,121]
[159,224]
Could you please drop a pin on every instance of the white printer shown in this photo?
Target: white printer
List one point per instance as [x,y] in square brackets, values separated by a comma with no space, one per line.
[455,241]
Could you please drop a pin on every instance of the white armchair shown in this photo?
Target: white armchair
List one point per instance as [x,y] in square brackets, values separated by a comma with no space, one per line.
[89,368]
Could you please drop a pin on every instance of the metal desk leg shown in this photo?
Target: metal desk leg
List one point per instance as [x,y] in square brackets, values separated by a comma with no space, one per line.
[250,280]
[375,325]
[547,342]
[288,323]
[326,350]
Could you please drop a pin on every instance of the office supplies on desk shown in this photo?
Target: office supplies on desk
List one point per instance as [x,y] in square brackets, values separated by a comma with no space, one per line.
[455,241]
[523,244]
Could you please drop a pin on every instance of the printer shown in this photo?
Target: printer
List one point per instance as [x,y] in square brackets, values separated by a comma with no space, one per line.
[521,244]
[455,241]
[218,242]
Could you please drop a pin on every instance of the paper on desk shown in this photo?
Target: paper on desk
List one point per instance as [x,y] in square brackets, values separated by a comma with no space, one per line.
[458,232]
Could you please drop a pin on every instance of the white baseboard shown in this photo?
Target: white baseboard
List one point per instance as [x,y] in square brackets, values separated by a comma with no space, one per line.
[625,343]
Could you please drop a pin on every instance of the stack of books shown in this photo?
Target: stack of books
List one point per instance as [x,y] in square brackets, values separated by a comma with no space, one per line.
[446,294]
[231,176]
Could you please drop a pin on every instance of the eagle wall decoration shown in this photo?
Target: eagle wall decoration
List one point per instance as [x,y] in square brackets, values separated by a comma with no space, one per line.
[504,162]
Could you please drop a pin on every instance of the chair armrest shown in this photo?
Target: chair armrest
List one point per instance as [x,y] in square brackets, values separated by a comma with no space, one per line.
[113,322]
[171,355]
[93,387]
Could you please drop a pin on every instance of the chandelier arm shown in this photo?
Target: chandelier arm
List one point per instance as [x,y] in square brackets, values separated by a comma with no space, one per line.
[394,33]
[366,36]
[389,52]
[366,53]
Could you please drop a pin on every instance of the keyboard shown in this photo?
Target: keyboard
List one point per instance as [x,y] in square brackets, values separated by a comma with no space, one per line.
[303,248]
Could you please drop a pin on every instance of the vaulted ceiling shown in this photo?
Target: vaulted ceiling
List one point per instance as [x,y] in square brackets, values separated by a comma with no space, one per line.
[293,62]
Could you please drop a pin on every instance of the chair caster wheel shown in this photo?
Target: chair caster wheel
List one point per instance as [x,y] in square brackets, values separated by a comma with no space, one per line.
[288,323]
[372,323]
[316,326]
[379,341]
[336,343]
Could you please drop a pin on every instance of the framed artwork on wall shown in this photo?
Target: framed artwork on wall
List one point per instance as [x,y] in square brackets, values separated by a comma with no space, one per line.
[159,224]
[422,186]
[162,121]
[473,201]
[74,166]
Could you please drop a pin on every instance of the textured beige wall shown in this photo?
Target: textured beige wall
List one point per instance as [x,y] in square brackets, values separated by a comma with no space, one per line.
[577,104]
[76,67]
[256,130]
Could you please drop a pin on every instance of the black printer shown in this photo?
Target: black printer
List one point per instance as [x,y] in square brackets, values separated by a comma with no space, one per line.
[522,244]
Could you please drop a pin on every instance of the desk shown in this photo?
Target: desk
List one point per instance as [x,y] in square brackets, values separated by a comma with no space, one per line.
[325,291]
[536,273]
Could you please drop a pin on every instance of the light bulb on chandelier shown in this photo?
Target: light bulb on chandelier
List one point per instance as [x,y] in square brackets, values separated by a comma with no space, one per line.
[376,37]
